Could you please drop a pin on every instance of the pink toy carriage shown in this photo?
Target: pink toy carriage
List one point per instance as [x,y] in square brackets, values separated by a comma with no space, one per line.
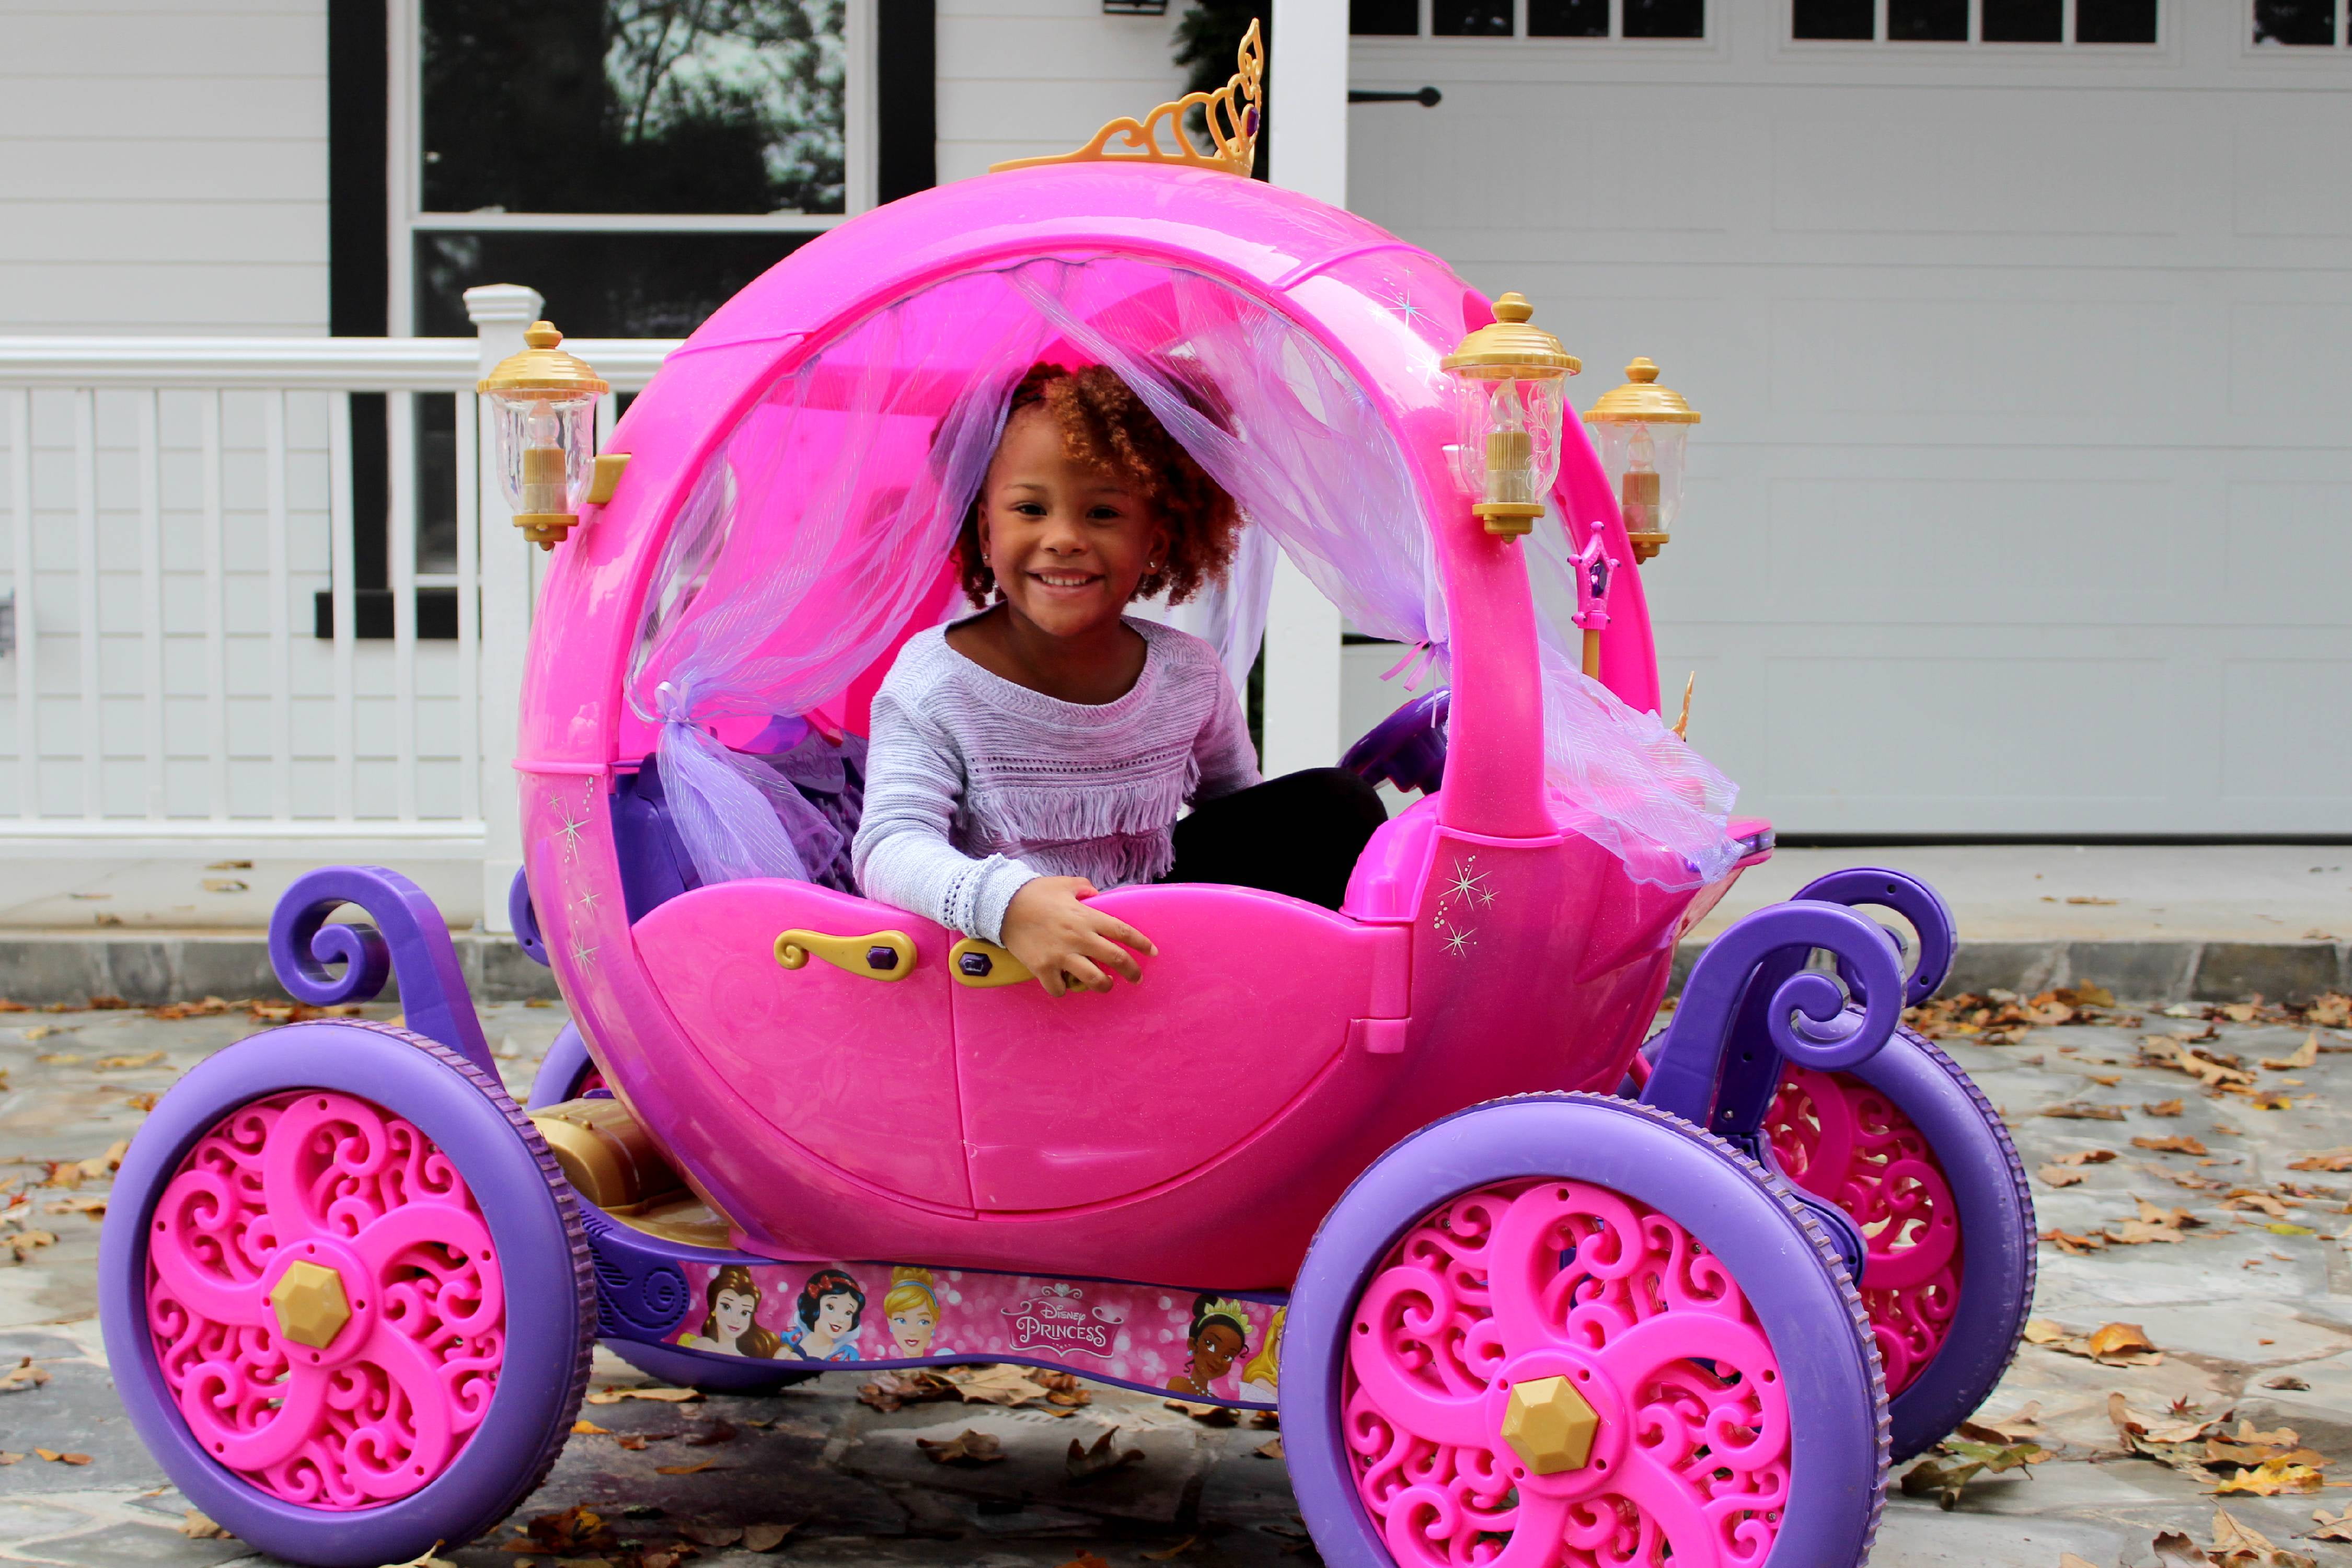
[1521,1291]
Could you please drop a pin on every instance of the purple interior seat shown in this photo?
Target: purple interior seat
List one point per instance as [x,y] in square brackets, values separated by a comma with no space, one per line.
[655,864]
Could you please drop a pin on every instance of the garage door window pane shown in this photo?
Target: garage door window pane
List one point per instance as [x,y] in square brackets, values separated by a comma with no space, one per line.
[2023,21]
[1471,19]
[2295,21]
[1928,21]
[1567,18]
[1665,19]
[2115,21]
[1384,18]
[1833,19]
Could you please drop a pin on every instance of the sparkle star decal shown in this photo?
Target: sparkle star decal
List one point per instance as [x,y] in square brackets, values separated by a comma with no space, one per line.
[1468,885]
[588,900]
[569,826]
[1459,941]
[583,954]
[1400,303]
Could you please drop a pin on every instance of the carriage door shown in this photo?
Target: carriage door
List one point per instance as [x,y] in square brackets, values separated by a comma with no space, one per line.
[1090,1098]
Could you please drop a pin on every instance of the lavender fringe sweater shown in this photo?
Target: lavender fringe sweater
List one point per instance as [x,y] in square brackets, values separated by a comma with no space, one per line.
[976,784]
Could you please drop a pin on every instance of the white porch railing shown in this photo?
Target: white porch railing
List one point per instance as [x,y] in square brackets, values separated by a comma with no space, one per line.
[174,506]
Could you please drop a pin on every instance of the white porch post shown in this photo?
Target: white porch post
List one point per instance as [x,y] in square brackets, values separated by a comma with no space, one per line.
[499,313]
[1308,101]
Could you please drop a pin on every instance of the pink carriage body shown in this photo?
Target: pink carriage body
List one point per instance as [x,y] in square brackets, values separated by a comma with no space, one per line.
[1196,1127]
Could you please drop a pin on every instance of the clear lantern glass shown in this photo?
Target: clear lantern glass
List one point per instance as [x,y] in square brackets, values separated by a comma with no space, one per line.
[546,448]
[1509,437]
[1644,462]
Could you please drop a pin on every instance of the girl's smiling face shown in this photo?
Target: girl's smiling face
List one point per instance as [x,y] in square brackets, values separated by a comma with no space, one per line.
[1068,543]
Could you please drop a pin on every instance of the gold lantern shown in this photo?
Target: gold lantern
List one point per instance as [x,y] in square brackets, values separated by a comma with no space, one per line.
[544,404]
[1642,428]
[1512,402]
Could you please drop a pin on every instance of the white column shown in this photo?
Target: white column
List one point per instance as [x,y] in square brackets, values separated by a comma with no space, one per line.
[1306,98]
[499,313]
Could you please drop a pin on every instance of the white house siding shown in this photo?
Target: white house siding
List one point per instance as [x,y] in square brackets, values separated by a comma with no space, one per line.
[2023,501]
[164,166]
[1021,79]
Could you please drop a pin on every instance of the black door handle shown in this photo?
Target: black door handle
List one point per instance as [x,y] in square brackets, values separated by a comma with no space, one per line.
[1428,97]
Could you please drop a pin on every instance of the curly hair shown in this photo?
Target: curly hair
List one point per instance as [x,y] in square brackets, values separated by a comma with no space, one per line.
[1104,425]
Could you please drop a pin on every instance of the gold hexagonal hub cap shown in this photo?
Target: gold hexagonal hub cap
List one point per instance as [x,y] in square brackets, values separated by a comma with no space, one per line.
[1549,1426]
[310,1305]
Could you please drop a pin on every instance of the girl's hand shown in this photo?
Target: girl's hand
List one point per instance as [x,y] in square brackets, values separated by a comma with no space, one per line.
[1067,945]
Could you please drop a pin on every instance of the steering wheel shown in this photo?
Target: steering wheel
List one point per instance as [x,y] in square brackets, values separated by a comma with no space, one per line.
[1406,748]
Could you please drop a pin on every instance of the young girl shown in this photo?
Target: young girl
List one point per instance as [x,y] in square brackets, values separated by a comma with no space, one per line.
[1039,752]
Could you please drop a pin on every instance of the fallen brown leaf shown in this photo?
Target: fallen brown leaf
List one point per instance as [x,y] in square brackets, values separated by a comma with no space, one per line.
[694,1469]
[2305,1055]
[587,1429]
[2083,1111]
[2171,1143]
[2163,1108]
[1169,1554]
[2068,1242]
[966,1448]
[1270,1449]
[713,1534]
[2057,1176]
[147,1060]
[56,1458]
[22,1376]
[2335,1528]
[1085,1560]
[768,1536]
[1083,1463]
[197,1527]
[665,1395]
[2339,1159]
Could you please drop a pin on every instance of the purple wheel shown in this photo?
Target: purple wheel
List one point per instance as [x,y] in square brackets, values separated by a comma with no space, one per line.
[1917,1157]
[1569,1329]
[347,1295]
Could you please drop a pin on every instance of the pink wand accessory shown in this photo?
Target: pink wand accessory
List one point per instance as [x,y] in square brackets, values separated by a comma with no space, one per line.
[1592,570]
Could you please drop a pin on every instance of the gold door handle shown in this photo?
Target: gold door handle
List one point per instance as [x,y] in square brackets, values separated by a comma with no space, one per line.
[983,964]
[884,955]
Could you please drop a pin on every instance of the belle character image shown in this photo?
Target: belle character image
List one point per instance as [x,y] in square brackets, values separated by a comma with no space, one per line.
[730,1325]
[1261,1377]
[831,1311]
[1219,1334]
[911,1312]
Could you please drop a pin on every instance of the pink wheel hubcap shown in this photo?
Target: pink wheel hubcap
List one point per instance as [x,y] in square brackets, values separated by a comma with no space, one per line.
[1842,1140]
[324,1300]
[1534,1280]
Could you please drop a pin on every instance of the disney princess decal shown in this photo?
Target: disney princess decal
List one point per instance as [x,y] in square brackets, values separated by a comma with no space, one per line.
[831,1311]
[1217,1337]
[1261,1378]
[911,1312]
[730,1323]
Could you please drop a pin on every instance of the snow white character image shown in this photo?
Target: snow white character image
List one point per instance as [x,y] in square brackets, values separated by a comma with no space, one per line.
[730,1325]
[1219,1334]
[1260,1378]
[911,1312]
[831,1311]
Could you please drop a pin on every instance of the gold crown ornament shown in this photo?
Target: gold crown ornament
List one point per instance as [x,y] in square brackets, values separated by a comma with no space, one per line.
[1231,114]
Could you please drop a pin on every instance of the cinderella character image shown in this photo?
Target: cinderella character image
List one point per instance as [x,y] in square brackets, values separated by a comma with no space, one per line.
[911,1312]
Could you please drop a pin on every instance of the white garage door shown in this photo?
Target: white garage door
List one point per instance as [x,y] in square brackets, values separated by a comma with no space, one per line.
[2023,501]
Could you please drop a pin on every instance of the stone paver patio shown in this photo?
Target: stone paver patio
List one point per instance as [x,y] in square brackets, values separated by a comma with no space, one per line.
[2242,1313]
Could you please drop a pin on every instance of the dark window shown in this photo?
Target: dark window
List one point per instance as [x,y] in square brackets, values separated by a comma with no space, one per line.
[1471,19]
[633,106]
[1567,18]
[605,285]
[1665,18]
[2295,21]
[2024,21]
[1833,19]
[1384,18]
[1928,21]
[2115,21]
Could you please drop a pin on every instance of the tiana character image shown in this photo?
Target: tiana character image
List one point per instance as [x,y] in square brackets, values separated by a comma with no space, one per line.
[730,1325]
[911,1312]
[1260,1378]
[1219,1334]
[831,1311]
